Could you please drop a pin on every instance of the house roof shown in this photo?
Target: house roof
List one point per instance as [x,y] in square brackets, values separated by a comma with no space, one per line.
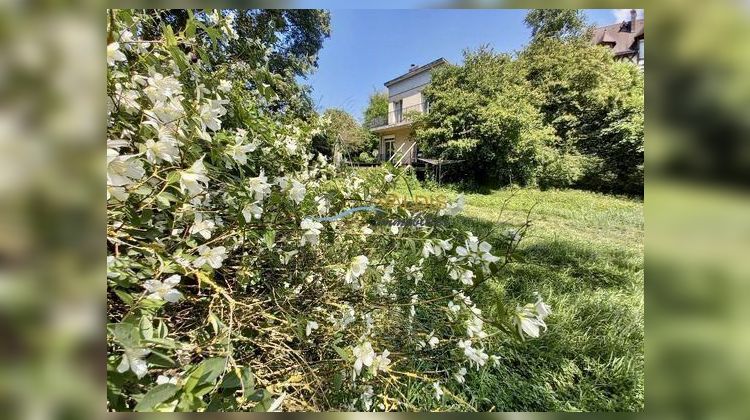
[619,36]
[417,70]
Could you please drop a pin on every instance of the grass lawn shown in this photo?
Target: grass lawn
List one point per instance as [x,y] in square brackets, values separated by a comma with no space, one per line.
[584,254]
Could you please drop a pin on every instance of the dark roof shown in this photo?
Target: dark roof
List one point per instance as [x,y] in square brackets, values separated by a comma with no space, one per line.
[417,70]
[619,36]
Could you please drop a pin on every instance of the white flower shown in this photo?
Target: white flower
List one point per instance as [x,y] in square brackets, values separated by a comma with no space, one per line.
[428,249]
[347,318]
[460,375]
[211,256]
[297,192]
[290,145]
[389,177]
[210,112]
[202,227]
[381,362]
[168,111]
[475,356]
[311,325]
[452,209]
[357,267]
[414,273]
[238,151]
[225,85]
[474,327]
[438,390]
[259,186]
[322,205]
[366,231]
[528,321]
[495,361]
[128,99]
[394,229]
[542,309]
[454,308]
[432,341]
[133,359]
[161,380]
[164,290]
[162,88]
[366,397]
[312,231]
[123,169]
[194,179]
[364,356]
[252,210]
[466,277]
[282,182]
[114,54]
[162,150]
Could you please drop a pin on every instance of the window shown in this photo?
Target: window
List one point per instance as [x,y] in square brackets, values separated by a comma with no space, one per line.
[388,148]
[398,110]
[425,105]
[640,50]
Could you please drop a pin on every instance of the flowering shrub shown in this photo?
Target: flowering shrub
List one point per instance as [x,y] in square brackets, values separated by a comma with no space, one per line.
[227,291]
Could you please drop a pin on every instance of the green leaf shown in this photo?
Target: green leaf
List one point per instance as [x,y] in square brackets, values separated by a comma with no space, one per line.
[125,297]
[125,333]
[232,381]
[203,378]
[341,352]
[269,238]
[169,38]
[160,359]
[155,396]
[147,327]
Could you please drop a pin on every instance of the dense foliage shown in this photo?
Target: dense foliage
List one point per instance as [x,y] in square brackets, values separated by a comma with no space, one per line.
[561,113]
[342,133]
[232,284]
[377,109]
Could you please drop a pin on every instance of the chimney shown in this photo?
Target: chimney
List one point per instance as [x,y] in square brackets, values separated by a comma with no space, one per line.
[412,67]
[633,15]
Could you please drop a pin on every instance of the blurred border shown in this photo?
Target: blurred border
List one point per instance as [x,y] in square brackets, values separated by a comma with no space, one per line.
[697,202]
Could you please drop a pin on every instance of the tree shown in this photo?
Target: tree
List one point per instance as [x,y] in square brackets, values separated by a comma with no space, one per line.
[484,112]
[285,42]
[556,23]
[595,106]
[342,131]
[377,108]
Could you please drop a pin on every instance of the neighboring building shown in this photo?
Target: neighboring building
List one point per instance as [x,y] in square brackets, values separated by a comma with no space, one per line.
[625,39]
[404,97]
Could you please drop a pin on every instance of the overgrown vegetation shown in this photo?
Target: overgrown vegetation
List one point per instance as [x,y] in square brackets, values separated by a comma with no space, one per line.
[239,276]
[584,253]
[561,113]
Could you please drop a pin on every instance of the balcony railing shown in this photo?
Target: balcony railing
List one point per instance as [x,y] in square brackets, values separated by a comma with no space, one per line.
[398,115]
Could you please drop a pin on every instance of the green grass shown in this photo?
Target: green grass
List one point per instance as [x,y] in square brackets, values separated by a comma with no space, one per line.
[584,254]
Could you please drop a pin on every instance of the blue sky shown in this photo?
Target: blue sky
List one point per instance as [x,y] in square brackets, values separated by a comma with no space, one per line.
[369,47]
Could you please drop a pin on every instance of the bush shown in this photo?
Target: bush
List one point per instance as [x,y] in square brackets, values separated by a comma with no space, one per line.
[234,281]
[558,170]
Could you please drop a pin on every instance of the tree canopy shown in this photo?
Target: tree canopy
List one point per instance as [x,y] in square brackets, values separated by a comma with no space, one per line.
[556,23]
[560,113]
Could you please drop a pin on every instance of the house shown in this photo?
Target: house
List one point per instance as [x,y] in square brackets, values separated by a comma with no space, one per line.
[404,97]
[624,38]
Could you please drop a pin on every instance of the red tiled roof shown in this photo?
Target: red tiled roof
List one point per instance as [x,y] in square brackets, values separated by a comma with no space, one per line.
[619,36]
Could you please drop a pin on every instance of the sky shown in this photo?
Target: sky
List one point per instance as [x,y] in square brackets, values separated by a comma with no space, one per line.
[369,47]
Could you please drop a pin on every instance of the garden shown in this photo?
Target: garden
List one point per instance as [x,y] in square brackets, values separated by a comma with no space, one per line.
[240,278]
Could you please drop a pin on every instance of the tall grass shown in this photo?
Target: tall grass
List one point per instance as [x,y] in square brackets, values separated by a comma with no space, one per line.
[584,254]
